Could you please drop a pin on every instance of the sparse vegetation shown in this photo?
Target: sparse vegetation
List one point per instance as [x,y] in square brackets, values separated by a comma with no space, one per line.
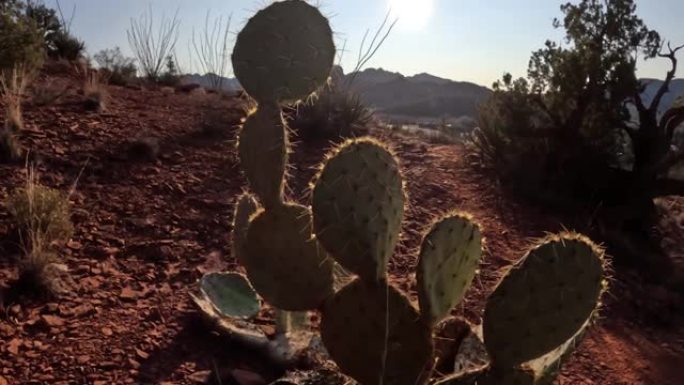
[48,93]
[95,92]
[42,217]
[10,148]
[144,148]
[12,89]
[152,48]
[334,113]
[212,50]
[56,30]
[119,69]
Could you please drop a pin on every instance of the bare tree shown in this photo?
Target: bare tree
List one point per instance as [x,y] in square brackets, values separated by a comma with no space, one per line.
[654,144]
[211,48]
[153,47]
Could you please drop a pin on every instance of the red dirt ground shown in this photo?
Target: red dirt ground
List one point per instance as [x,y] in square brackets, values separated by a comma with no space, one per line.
[145,232]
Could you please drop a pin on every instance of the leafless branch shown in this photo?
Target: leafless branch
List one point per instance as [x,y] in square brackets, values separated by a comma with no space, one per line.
[211,48]
[367,53]
[665,87]
[152,50]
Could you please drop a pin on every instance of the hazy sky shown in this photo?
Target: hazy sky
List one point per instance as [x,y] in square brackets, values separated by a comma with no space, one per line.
[470,40]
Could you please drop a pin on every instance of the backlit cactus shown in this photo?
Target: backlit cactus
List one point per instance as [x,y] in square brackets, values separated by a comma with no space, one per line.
[373,331]
[538,312]
[284,53]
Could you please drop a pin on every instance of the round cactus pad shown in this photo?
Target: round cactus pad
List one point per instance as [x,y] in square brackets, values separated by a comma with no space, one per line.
[375,336]
[543,300]
[358,205]
[285,52]
[285,264]
[230,294]
[448,262]
[262,147]
[245,207]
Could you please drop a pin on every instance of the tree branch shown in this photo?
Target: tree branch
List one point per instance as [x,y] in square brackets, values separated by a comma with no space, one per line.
[665,87]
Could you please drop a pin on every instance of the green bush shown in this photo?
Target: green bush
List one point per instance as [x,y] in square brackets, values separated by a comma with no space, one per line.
[21,42]
[119,69]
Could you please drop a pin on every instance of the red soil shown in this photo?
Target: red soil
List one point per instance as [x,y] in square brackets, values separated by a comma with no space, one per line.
[145,232]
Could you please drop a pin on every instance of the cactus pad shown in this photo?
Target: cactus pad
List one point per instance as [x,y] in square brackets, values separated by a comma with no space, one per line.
[284,262]
[368,323]
[230,294]
[543,300]
[448,262]
[245,207]
[358,205]
[285,52]
[262,147]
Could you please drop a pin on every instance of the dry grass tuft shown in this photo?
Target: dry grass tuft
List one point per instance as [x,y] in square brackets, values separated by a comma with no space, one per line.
[10,149]
[13,85]
[42,216]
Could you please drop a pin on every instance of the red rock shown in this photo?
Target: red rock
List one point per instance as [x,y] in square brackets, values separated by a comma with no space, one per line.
[246,377]
[13,346]
[107,331]
[128,294]
[142,354]
[51,321]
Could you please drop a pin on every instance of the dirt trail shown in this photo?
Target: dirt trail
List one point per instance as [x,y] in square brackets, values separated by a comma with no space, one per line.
[147,231]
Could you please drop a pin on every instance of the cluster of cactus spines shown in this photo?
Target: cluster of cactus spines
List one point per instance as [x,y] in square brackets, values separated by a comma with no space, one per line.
[284,53]
[358,201]
[448,262]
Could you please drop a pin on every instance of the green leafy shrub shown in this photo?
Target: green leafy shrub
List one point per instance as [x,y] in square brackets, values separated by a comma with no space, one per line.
[58,40]
[21,42]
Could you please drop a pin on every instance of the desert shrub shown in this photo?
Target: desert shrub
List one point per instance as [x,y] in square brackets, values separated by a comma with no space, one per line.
[40,212]
[66,46]
[20,40]
[94,87]
[334,113]
[120,69]
[171,76]
[42,216]
[58,40]
[12,88]
[152,48]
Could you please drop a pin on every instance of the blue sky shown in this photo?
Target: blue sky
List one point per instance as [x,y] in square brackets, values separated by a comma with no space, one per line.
[469,40]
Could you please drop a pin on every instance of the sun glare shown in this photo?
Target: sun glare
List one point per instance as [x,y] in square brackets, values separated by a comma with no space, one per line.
[412,14]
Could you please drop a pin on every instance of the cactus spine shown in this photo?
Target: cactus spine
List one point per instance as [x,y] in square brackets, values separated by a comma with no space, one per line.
[284,53]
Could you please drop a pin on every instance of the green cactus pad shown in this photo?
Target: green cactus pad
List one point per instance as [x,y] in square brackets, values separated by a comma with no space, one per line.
[285,264]
[262,147]
[284,53]
[245,207]
[230,294]
[354,328]
[448,262]
[547,367]
[358,205]
[543,300]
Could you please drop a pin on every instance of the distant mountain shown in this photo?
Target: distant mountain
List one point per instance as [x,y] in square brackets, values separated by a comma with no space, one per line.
[418,96]
[676,91]
[207,81]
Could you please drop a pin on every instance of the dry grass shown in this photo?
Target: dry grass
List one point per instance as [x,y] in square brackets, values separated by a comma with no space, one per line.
[94,87]
[10,149]
[12,88]
[42,216]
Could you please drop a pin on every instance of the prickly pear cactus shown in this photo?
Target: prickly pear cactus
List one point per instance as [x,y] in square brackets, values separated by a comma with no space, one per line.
[285,52]
[375,335]
[285,263]
[448,261]
[358,201]
[538,313]
[543,300]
